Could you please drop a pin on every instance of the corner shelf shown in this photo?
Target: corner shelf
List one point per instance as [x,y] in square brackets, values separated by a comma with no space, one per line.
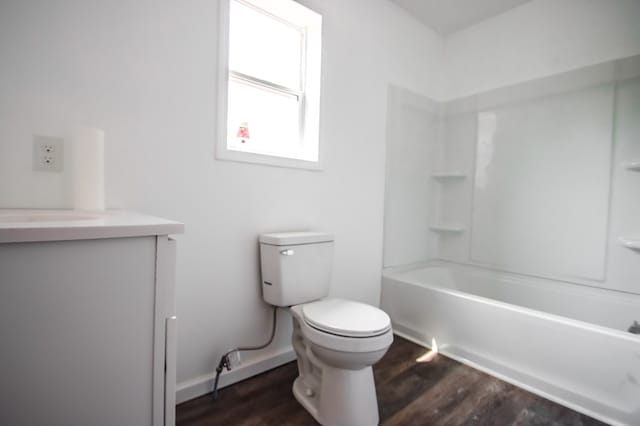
[633,166]
[448,175]
[632,243]
[455,229]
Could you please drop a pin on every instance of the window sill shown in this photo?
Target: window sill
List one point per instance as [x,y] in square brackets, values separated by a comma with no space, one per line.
[267,160]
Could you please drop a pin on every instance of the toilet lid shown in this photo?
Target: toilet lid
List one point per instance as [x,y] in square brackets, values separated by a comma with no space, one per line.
[346,318]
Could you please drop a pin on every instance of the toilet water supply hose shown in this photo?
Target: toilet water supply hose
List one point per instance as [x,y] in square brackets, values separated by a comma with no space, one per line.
[225,362]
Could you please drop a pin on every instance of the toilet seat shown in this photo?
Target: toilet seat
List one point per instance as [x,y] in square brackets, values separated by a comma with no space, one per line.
[346,318]
[336,342]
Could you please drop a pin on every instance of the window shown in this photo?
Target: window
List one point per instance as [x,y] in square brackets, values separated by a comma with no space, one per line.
[270,83]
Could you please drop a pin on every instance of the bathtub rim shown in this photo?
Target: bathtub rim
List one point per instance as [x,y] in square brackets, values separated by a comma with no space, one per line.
[578,282]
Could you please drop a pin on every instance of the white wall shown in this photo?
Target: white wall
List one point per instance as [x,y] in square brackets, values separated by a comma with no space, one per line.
[506,60]
[547,37]
[538,39]
[144,71]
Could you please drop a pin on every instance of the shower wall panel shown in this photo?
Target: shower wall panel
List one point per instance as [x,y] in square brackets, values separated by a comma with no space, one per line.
[541,188]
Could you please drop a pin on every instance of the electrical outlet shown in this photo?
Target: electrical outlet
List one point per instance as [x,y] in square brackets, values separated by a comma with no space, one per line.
[48,154]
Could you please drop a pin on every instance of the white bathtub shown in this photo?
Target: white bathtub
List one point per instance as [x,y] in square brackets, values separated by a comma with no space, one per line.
[563,341]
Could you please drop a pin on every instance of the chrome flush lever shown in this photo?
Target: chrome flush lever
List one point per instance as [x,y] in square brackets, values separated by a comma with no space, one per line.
[287,252]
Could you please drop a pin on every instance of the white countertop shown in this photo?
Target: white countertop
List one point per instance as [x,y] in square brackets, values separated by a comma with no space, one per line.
[30,225]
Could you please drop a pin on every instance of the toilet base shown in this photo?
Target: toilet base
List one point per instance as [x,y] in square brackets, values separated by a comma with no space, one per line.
[346,398]
[309,402]
[337,388]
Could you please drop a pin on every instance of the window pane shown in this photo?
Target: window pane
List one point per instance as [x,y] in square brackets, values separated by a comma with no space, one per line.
[262,121]
[264,47]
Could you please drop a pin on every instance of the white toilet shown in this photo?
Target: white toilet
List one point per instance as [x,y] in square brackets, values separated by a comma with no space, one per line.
[336,341]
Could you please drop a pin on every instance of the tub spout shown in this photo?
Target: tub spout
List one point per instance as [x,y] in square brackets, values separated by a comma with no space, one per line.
[635,328]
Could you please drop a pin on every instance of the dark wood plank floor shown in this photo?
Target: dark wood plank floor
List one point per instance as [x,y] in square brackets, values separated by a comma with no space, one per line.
[442,392]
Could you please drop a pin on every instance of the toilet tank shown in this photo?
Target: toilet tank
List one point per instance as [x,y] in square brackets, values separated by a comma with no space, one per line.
[296,267]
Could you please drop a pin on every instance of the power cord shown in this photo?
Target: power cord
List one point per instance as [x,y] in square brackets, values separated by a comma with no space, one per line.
[226,363]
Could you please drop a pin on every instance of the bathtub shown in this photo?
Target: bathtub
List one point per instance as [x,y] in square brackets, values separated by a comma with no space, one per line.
[563,341]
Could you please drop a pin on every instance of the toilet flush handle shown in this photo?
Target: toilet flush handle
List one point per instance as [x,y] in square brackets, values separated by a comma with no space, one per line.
[287,252]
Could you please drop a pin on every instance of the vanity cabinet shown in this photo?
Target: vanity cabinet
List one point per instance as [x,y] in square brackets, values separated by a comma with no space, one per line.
[88,327]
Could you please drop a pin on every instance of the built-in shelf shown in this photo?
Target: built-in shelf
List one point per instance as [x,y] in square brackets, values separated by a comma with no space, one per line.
[447,228]
[633,165]
[447,176]
[632,243]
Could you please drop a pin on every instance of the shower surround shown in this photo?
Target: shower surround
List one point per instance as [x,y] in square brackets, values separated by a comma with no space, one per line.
[511,223]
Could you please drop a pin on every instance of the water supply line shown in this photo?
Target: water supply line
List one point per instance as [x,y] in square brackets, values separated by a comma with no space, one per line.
[225,361]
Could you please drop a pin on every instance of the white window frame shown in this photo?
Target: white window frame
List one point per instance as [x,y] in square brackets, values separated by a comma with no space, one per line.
[308,96]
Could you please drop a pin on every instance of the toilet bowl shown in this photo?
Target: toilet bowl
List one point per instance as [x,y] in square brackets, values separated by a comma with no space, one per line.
[336,341]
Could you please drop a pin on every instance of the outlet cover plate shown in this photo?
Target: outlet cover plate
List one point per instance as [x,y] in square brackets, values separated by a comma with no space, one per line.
[48,154]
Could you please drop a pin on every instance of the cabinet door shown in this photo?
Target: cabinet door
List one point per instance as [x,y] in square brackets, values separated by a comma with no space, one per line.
[77,327]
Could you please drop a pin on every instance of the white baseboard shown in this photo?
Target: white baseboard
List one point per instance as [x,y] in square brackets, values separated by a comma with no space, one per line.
[201,385]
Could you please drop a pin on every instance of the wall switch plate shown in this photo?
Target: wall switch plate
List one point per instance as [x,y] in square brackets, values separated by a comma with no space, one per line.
[48,154]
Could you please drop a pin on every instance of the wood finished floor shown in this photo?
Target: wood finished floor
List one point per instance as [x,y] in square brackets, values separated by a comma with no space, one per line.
[442,392]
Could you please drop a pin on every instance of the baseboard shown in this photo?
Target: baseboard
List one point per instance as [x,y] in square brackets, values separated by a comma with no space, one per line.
[202,385]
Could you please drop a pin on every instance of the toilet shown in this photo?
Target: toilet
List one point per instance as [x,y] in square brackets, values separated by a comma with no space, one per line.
[336,341]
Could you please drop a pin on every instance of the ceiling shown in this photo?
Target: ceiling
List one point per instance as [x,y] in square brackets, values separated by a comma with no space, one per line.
[449,16]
